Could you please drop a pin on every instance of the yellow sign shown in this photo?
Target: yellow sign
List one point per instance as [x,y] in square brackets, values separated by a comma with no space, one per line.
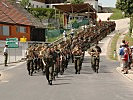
[23,39]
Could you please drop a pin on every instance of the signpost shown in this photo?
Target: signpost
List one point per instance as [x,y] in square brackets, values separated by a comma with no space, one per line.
[12,42]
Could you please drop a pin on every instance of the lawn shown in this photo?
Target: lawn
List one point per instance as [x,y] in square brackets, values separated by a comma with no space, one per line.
[117,14]
[113,47]
[129,39]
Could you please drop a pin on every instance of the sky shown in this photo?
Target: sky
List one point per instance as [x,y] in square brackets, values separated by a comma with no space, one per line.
[107,3]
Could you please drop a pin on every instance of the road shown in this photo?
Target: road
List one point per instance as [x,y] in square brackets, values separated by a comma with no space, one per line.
[16,84]
[107,85]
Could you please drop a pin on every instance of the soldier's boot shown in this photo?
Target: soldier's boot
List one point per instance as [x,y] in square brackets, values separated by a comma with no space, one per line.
[50,82]
[79,72]
[29,72]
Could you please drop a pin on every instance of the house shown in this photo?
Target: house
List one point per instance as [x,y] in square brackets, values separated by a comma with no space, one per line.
[38,3]
[43,3]
[17,22]
[94,3]
[78,12]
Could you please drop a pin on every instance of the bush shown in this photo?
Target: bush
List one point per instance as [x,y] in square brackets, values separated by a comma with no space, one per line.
[117,14]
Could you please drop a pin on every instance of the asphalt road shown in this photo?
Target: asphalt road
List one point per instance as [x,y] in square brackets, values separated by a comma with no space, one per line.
[16,84]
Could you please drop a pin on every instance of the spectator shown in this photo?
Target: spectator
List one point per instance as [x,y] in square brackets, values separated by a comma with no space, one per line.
[64,35]
[121,53]
[6,54]
[125,61]
[131,56]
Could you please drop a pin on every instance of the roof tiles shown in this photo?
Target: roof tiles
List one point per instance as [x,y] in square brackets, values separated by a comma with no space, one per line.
[10,14]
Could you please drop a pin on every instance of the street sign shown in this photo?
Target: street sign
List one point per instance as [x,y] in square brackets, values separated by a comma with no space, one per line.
[23,39]
[12,42]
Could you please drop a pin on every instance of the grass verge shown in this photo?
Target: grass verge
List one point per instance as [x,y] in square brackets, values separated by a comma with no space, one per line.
[54,38]
[129,39]
[113,47]
[117,14]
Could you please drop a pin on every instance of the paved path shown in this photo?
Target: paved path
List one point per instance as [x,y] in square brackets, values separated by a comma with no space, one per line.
[103,16]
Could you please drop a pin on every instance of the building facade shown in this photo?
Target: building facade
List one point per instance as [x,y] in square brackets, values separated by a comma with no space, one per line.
[16,22]
[94,3]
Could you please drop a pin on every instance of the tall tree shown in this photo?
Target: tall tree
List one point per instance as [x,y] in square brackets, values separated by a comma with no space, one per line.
[127,7]
[77,1]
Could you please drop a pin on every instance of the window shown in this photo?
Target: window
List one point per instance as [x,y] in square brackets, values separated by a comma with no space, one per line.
[4,30]
[0,30]
[21,29]
[47,6]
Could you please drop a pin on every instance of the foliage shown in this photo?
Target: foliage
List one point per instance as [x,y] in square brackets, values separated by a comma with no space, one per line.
[117,14]
[126,6]
[47,12]
[129,39]
[113,47]
[77,1]
[25,3]
[42,13]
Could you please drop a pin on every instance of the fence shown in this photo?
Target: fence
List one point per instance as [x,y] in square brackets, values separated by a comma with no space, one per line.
[15,54]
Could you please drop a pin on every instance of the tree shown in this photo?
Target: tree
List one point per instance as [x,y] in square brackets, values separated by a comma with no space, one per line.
[127,7]
[77,1]
[25,3]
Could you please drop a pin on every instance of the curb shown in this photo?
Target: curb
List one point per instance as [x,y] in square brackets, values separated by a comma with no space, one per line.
[14,62]
[127,76]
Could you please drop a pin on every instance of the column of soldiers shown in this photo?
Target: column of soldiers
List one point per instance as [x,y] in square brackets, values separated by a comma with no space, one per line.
[53,59]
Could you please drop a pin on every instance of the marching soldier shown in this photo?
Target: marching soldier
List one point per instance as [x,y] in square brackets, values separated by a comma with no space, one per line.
[95,56]
[41,56]
[57,65]
[77,58]
[54,62]
[48,58]
[30,56]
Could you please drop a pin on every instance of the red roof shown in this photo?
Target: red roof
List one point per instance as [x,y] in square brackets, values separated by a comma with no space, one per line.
[10,14]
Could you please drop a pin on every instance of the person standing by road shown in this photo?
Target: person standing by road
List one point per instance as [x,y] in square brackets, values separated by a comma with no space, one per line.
[6,54]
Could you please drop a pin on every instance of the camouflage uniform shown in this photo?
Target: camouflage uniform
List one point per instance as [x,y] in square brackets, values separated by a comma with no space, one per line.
[29,56]
[48,58]
[77,59]
[95,57]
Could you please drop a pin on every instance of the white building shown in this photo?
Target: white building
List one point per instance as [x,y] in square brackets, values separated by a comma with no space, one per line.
[35,3]
[94,3]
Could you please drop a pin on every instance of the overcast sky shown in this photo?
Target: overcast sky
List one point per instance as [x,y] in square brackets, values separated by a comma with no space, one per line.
[108,3]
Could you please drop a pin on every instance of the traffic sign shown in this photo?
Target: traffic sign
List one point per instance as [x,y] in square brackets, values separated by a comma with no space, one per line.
[12,42]
[23,39]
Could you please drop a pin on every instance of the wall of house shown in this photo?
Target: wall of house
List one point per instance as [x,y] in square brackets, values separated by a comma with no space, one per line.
[14,34]
[37,4]
[94,3]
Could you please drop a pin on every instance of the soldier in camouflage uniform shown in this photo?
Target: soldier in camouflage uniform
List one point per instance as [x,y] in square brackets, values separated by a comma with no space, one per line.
[57,65]
[30,56]
[48,58]
[77,58]
[95,57]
